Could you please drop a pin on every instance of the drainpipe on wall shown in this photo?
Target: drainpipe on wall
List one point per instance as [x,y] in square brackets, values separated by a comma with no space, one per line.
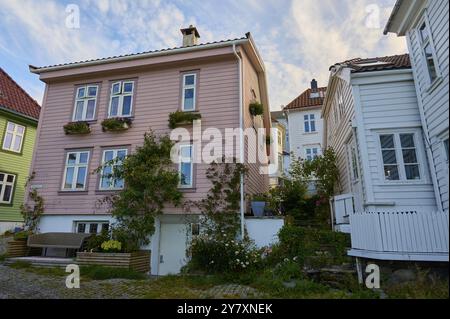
[241,141]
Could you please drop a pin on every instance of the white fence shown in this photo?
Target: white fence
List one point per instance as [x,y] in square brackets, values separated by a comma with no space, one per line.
[401,232]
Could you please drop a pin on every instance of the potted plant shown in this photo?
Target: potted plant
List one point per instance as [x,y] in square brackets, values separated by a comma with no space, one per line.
[116,124]
[180,118]
[77,128]
[256,109]
[258,204]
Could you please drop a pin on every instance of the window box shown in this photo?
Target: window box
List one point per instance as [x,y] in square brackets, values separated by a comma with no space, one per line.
[139,261]
[77,128]
[117,124]
[180,118]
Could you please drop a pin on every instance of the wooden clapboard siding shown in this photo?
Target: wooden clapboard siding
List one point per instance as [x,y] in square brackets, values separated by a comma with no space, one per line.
[139,261]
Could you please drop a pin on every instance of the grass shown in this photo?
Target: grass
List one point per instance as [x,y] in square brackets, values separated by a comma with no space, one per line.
[20,265]
[422,288]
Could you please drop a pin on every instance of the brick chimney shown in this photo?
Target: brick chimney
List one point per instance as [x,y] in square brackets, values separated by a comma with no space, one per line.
[190,36]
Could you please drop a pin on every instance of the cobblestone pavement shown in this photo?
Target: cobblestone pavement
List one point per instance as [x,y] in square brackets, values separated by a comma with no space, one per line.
[23,284]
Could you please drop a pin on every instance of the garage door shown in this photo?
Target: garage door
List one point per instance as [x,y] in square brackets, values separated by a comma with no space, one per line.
[172,248]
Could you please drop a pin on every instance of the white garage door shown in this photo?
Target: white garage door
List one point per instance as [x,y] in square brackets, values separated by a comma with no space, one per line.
[172,248]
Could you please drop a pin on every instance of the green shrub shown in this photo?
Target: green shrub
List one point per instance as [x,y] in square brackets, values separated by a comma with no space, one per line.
[103,273]
[182,118]
[112,246]
[72,128]
[222,256]
[116,124]
[256,109]
[94,242]
[22,235]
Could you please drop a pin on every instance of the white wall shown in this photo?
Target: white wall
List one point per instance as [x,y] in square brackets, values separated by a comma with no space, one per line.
[66,223]
[264,231]
[298,139]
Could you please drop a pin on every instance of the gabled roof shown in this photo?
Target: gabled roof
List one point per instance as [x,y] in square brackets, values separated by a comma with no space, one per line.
[393,62]
[13,98]
[305,100]
[35,69]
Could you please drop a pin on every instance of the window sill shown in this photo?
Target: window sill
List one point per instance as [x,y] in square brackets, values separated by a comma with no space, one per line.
[397,183]
[187,189]
[434,85]
[107,191]
[311,133]
[11,152]
[73,193]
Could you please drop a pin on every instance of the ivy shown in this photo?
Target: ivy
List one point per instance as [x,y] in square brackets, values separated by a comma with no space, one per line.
[73,128]
[117,124]
[179,118]
[151,182]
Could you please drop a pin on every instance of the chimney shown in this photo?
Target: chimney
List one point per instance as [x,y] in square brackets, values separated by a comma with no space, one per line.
[314,85]
[190,36]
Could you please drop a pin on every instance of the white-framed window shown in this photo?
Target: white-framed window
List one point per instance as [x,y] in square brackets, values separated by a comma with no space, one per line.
[85,103]
[309,123]
[188,100]
[6,187]
[14,136]
[400,156]
[75,171]
[186,165]
[195,229]
[311,153]
[121,100]
[113,158]
[91,227]
[445,144]
[354,172]
[428,50]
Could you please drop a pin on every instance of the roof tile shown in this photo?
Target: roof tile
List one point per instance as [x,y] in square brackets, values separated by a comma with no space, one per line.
[305,100]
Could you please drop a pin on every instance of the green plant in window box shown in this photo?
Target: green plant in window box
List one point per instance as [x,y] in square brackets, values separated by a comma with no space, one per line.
[180,118]
[116,124]
[256,109]
[74,128]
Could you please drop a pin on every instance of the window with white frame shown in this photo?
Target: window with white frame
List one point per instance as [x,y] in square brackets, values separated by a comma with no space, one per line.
[445,142]
[354,163]
[121,101]
[111,161]
[428,50]
[400,157]
[188,102]
[91,227]
[6,187]
[85,103]
[311,153]
[186,165]
[75,171]
[14,136]
[310,123]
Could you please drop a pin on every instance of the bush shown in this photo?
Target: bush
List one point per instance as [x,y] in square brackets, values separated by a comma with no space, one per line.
[182,118]
[72,128]
[103,273]
[22,235]
[111,246]
[223,256]
[256,109]
[94,242]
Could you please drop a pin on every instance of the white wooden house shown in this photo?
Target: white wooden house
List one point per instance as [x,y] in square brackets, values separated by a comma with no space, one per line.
[385,198]
[425,24]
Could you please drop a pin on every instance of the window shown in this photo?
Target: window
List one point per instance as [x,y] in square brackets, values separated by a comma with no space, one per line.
[75,171]
[186,166]
[399,153]
[195,229]
[312,153]
[13,137]
[113,159]
[91,227]
[446,149]
[427,51]
[310,123]
[85,103]
[188,92]
[354,163]
[6,187]
[280,163]
[121,101]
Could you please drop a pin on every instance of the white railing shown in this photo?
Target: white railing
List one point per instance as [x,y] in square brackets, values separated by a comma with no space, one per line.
[401,232]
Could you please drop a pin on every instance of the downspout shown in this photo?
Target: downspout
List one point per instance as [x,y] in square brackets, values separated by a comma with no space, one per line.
[241,142]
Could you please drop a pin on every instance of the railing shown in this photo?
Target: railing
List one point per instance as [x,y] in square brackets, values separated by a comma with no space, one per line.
[401,232]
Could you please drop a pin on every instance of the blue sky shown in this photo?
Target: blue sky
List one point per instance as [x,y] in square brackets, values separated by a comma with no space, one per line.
[298,39]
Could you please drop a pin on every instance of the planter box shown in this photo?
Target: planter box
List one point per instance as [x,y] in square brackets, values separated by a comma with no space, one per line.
[139,261]
[17,248]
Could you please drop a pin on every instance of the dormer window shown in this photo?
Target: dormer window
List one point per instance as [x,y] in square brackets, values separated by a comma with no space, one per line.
[121,101]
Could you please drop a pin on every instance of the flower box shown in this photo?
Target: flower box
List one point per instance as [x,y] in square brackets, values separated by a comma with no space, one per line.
[180,118]
[77,128]
[139,261]
[117,124]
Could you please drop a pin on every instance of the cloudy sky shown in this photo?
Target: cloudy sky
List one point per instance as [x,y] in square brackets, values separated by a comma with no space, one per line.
[298,39]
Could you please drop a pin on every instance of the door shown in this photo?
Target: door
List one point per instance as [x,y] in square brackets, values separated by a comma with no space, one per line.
[172,251]
[355,175]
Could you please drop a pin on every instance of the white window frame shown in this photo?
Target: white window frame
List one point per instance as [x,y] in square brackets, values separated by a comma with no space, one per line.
[180,160]
[121,95]
[312,153]
[187,87]
[76,167]
[423,44]
[4,184]
[115,152]
[15,134]
[399,157]
[88,225]
[354,163]
[85,99]
[308,119]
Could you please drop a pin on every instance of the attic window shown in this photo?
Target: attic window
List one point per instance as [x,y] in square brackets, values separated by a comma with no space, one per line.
[314,95]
